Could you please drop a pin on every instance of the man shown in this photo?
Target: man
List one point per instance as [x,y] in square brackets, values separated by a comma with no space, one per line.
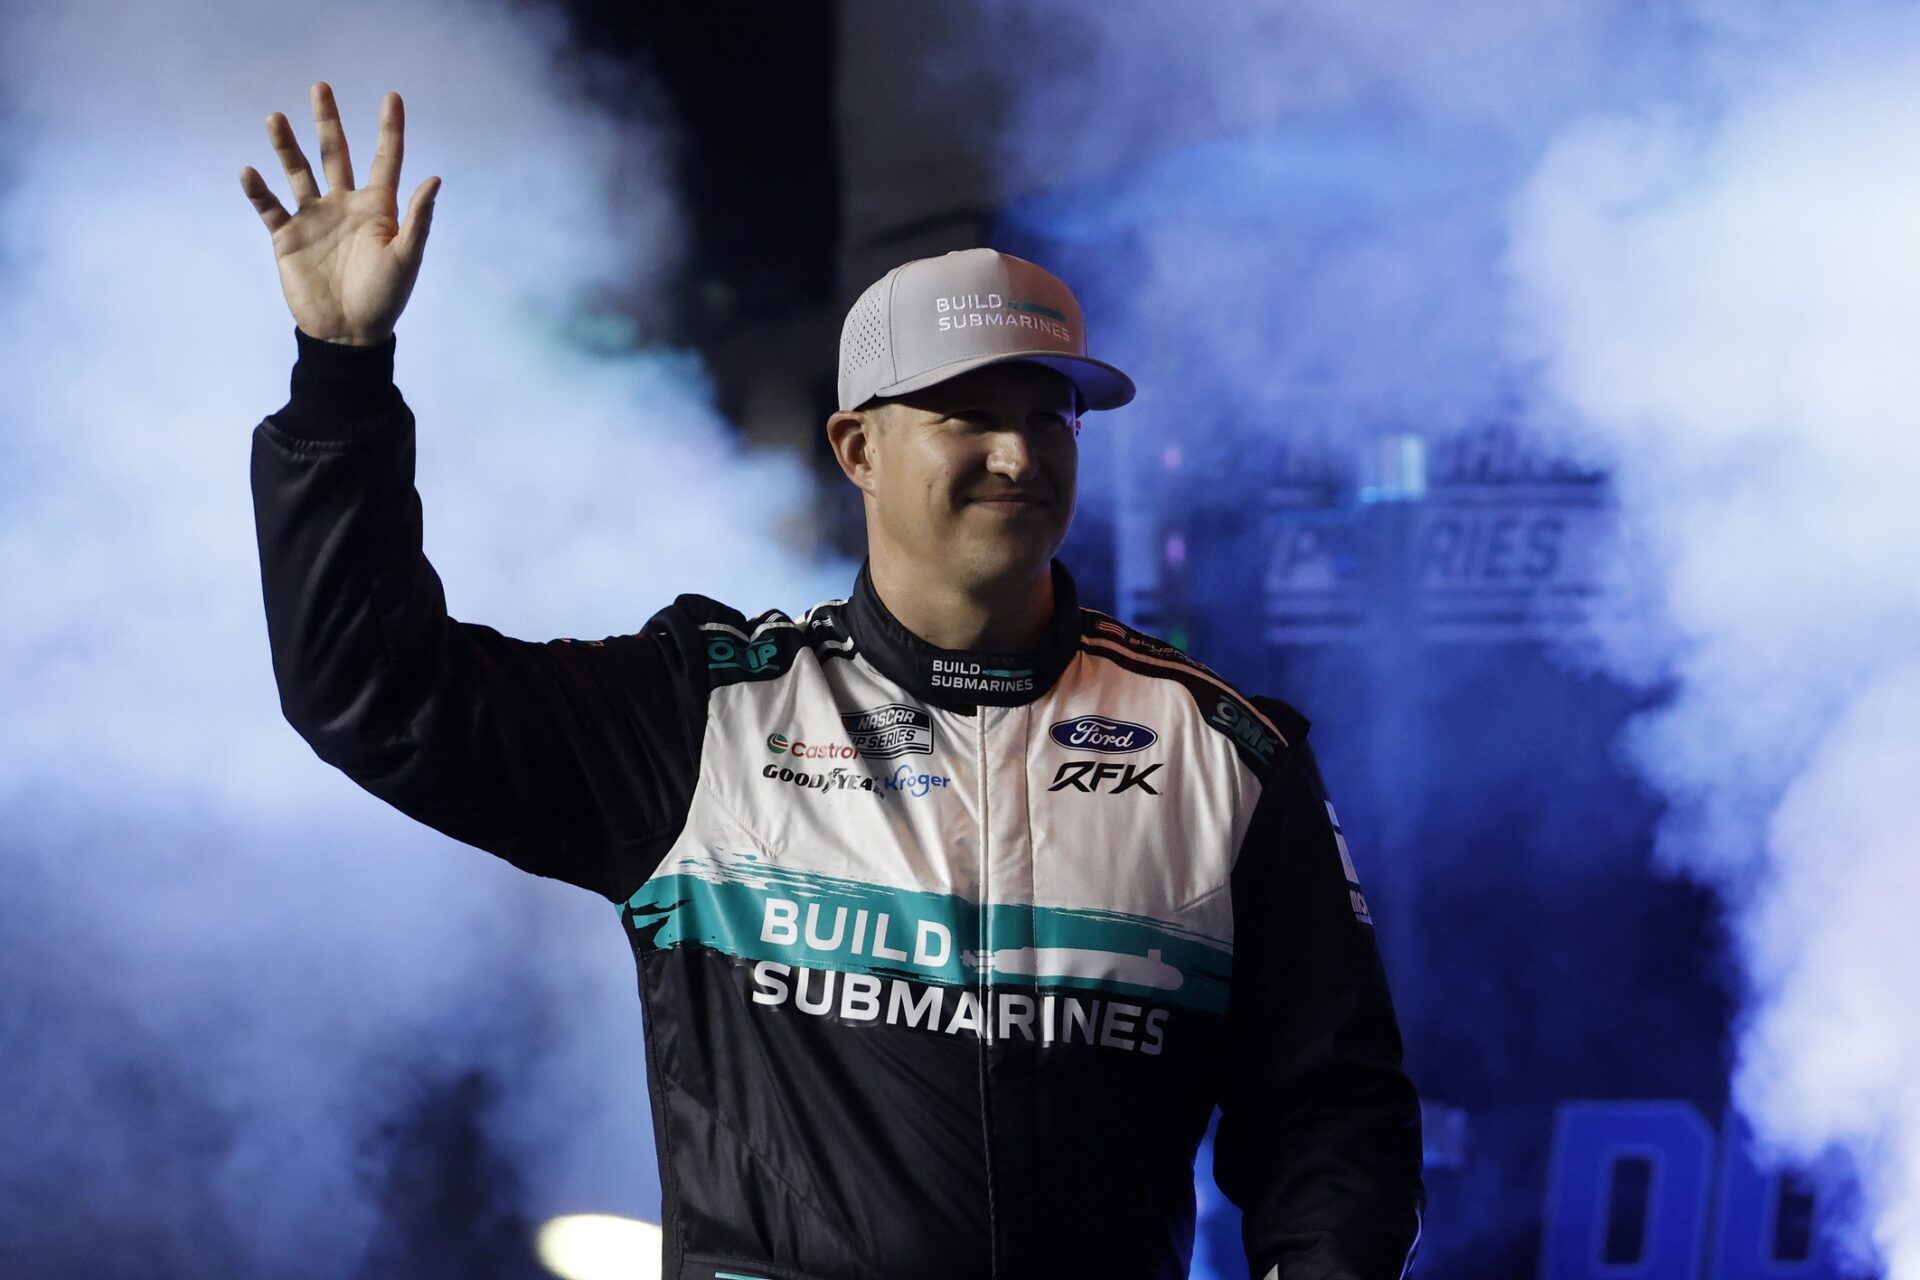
[957,906]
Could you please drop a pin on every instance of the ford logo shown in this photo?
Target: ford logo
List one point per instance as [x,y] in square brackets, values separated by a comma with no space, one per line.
[1100,733]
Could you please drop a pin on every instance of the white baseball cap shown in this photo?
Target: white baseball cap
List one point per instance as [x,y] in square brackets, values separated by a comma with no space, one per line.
[935,318]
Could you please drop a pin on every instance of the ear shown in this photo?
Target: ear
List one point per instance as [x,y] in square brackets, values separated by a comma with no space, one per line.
[851,434]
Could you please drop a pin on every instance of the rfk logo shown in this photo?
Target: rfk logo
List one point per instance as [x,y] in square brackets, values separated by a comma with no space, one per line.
[1090,775]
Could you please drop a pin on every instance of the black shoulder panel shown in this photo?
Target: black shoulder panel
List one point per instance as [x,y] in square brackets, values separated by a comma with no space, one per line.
[1258,727]
[1287,718]
[731,648]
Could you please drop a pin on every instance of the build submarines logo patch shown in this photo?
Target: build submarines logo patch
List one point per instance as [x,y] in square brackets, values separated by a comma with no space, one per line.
[863,953]
[978,677]
[996,311]
[912,985]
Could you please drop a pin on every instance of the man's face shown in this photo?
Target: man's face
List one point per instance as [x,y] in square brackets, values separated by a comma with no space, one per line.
[973,479]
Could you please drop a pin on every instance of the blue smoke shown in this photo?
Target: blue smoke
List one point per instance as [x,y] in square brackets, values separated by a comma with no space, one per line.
[233,984]
[1670,244]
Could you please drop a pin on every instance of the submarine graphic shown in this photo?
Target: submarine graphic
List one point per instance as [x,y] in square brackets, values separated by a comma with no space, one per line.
[1079,962]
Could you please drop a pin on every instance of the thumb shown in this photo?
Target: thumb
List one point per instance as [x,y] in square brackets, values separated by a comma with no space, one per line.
[412,237]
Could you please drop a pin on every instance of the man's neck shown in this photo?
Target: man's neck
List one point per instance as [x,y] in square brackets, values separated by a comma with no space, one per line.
[1009,620]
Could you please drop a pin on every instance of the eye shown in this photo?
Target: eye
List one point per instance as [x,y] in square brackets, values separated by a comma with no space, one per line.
[1044,423]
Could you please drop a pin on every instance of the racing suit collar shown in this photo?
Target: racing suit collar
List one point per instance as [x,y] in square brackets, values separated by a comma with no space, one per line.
[961,679]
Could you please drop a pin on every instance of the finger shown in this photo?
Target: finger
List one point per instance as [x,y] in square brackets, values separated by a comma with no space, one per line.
[264,201]
[292,159]
[412,238]
[393,136]
[333,139]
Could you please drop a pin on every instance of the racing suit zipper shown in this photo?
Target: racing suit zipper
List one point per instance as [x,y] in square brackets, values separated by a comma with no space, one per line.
[984,958]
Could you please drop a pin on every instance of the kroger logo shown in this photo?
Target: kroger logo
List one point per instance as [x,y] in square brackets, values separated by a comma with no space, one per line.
[1100,733]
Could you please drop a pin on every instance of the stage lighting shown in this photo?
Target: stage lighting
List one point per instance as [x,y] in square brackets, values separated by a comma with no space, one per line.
[599,1246]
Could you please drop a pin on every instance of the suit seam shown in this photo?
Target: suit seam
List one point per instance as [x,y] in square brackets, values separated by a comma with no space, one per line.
[658,1078]
[764,1161]
[985,947]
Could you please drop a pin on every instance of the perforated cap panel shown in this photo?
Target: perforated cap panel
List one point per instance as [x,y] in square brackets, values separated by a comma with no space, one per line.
[863,341]
[862,337]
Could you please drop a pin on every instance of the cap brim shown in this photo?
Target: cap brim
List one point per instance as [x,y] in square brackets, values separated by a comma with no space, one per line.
[1100,385]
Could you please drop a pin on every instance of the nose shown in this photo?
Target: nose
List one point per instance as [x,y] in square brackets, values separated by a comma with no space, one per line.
[1012,456]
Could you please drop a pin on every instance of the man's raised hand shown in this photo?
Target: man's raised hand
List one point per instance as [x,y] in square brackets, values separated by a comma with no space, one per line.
[346,263]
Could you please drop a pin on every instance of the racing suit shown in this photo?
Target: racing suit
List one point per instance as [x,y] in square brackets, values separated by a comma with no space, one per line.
[947,957]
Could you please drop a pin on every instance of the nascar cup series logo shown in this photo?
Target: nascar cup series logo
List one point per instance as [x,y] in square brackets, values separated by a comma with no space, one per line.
[1103,734]
[890,730]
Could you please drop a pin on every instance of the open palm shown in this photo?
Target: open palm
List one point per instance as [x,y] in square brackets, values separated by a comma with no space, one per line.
[347,263]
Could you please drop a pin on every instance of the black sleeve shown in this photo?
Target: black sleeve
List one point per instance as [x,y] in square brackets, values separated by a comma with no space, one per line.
[570,759]
[1319,1134]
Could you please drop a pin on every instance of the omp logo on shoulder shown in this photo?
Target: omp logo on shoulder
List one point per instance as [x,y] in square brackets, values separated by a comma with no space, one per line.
[889,730]
[1103,734]
[725,653]
[1244,729]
